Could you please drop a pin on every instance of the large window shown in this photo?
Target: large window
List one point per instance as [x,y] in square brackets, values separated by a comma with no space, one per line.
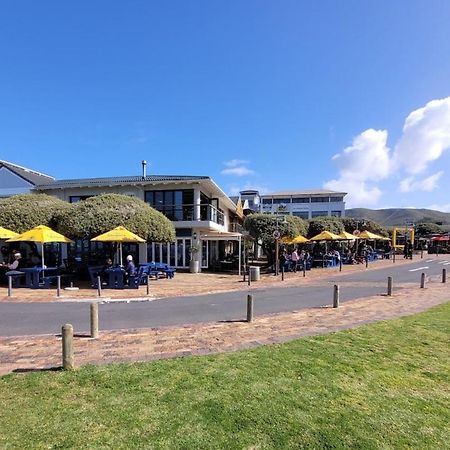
[336,213]
[267,201]
[301,214]
[78,198]
[320,199]
[300,200]
[336,199]
[280,201]
[175,205]
[319,213]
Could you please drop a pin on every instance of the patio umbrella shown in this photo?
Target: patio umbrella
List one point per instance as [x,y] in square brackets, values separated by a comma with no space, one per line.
[41,234]
[347,236]
[372,236]
[326,236]
[286,240]
[299,239]
[119,234]
[7,234]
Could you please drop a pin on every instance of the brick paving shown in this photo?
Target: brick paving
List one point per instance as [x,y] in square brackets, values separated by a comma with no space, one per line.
[22,354]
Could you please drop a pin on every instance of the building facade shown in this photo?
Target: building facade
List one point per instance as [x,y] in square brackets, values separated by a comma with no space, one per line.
[204,217]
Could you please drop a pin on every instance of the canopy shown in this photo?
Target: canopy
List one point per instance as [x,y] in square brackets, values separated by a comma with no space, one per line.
[347,236]
[368,235]
[326,236]
[7,234]
[299,239]
[41,234]
[119,234]
[440,238]
[286,240]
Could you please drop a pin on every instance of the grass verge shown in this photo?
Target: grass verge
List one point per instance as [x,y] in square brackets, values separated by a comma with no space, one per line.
[380,386]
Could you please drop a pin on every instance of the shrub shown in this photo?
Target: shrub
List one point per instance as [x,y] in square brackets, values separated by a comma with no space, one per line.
[325,223]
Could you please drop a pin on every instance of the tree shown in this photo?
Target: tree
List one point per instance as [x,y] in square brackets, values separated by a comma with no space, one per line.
[102,213]
[25,211]
[262,226]
[425,229]
[351,224]
[325,223]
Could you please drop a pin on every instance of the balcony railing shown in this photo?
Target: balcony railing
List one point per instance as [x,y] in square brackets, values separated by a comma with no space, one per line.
[187,212]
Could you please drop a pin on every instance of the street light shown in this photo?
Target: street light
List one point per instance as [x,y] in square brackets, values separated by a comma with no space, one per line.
[276,236]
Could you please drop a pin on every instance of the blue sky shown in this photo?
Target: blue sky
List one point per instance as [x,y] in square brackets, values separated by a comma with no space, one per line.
[256,94]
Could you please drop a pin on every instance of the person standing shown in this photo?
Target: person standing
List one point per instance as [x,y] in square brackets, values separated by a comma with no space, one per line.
[294,260]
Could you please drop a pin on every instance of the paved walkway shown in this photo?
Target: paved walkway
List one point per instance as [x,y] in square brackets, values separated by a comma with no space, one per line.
[21,354]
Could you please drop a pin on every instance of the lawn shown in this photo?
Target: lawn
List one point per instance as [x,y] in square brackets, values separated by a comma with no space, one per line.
[382,386]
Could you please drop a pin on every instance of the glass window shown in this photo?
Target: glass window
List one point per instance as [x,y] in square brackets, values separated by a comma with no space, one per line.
[279,201]
[267,201]
[300,200]
[336,213]
[320,199]
[336,199]
[78,198]
[301,214]
[319,213]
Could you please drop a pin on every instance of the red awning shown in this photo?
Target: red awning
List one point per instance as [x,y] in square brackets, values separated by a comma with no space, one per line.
[441,238]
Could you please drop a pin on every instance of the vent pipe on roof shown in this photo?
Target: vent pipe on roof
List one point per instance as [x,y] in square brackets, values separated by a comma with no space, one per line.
[144,168]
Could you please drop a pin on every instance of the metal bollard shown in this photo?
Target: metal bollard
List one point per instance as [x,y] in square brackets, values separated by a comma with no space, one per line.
[94,320]
[444,275]
[148,284]
[389,287]
[58,286]
[421,253]
[336,296]
[304,268]
[249,308]
[422,280]
[9,286]
[67,347]
[282,273]
[248,277]
[99,286]
[367,262]
[393,257]
[340,264]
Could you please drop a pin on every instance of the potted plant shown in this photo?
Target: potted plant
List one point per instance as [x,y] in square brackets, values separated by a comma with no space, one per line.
[194,264]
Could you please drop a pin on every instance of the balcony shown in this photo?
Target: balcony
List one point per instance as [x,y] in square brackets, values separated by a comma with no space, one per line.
[205,212]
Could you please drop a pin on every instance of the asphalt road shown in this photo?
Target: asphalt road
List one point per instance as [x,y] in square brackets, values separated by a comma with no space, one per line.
[47,318]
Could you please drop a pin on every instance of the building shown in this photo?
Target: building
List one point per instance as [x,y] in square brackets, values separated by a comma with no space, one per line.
[16,179]
[203,215]
[305,204]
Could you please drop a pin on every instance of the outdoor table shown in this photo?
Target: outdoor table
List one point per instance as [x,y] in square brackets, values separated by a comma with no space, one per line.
[33,275]
[115,278]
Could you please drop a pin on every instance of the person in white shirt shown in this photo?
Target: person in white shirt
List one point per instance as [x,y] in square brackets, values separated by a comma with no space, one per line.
[294,259]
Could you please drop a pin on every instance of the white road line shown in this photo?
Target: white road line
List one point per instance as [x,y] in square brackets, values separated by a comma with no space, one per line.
[442,262]
[419,268]
[429,260]
[447,263]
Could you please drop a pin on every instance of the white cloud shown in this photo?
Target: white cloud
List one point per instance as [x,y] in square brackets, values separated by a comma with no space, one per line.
[443,208]
[234,190]
[427,184]
[361,165]
[426,135]
[236,162]
[239,171]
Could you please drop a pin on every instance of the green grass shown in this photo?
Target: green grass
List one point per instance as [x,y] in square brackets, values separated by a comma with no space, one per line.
[382,386]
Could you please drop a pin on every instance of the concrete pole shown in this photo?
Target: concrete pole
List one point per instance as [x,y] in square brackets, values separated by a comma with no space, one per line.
[389,287]
[249,308]
[58,286]
[9,286]
[99,286]
[249,277]
[336,296]
[282,272]
[67,347]
[148,284]
[304,268]
[444,275]
[340,264]
[94,320]
[422,281]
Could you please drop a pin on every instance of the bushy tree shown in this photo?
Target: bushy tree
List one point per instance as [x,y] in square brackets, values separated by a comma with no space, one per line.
[102,213]
[25,211]
[325,223]
[425,229]
[351,224]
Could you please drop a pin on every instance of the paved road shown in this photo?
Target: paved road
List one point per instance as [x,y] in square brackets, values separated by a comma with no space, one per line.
[47,318]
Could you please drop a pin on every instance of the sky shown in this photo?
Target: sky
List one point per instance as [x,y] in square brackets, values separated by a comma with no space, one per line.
[281,95]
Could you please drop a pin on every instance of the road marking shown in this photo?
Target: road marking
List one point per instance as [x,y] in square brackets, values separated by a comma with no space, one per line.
[419,268]
[442,262]
[429,260]
[447,263]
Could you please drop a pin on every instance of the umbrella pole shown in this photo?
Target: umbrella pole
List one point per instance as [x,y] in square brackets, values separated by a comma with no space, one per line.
[120,252]
[42,256]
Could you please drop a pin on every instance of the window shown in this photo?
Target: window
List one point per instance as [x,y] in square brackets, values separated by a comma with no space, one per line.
[336,199]
[320,199]
[78,198]
[300,200]
[175,205]
[301,214]
[336,213]
[279,201]
[267,201]
[319,213]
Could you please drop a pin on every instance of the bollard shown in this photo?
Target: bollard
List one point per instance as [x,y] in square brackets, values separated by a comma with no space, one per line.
[67,347]
[444,275]
[58,286]
[148,284]
[94,320]
[336,296]
[421,253]
[99,286]
[245,273]
[248,277]
[393,257]
[304,268]
[367,262]
[282,272]
[422,281]
[249,308]
[389,287]
[9,286]
[340,264]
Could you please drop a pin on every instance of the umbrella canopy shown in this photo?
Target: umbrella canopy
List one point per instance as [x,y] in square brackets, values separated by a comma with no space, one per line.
[347,236]
[299,239]
[326,236]
[119,234]
[368,235]
[7,234]
[286,240]
[41,234]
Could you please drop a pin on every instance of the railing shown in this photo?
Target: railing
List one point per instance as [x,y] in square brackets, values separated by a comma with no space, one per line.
[187,212]
[236,227]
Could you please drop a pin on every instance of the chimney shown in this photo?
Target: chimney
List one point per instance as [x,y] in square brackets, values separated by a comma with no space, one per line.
[144,168]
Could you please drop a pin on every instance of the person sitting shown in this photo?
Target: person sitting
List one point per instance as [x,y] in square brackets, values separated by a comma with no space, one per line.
[104,272]
[130,270]
[16,264]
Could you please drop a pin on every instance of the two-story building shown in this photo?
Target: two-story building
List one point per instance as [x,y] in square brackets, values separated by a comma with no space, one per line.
[203,215]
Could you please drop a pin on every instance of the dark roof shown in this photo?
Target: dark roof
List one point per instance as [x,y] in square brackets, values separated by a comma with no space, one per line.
[29,175]
[109,181]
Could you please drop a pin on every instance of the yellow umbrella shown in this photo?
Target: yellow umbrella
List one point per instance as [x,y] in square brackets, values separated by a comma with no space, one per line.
[299,239]
[286,240]
[41,234]
[326,236]
[347,236]
[119,234]
[7,234]
[368,235]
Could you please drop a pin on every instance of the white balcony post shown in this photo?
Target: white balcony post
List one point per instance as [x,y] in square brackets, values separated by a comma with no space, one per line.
[197,201]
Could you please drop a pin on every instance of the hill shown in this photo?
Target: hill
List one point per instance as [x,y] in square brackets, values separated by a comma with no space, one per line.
[399,216]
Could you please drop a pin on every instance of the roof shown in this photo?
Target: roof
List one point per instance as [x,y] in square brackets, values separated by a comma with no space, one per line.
[111,181]
[32,176]
[300,193]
